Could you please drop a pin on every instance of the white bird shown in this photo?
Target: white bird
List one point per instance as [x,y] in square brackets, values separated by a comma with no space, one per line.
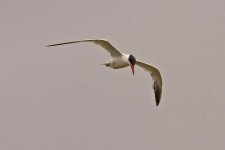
[121,60]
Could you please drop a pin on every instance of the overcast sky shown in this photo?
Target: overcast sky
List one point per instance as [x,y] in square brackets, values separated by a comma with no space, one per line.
[63,98]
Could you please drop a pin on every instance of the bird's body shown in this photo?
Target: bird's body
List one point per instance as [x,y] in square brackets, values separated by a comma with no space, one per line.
[120,60]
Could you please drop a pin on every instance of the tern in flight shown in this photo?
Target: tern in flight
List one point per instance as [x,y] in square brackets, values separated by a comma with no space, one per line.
[121,60]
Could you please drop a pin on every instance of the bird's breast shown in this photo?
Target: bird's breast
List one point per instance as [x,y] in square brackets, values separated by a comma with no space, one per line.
[117,63]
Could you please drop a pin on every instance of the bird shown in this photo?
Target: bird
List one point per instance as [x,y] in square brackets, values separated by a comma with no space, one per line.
[120,60]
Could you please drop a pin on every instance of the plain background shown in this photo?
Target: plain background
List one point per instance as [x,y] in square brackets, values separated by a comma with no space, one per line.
[62,98]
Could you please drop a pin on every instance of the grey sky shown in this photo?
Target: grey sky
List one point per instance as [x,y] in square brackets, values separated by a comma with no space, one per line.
[56,98]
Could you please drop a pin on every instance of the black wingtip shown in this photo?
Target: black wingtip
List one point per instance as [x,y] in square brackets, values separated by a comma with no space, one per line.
[52,45]
[157,103]
[157,97]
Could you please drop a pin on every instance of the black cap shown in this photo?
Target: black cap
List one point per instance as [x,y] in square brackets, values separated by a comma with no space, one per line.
[132,59]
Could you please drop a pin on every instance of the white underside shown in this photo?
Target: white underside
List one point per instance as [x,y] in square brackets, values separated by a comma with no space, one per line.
[119,62]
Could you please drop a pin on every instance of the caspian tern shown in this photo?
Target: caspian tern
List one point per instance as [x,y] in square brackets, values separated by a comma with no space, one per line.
[121,60]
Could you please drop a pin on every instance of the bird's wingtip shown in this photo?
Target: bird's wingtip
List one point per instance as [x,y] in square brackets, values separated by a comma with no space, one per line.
[157,96]
[52,45]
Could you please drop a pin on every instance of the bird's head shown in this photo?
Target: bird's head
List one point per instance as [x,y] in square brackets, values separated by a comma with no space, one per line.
[132,61]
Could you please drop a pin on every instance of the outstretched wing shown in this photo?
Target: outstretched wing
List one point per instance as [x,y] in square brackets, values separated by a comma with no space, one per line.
[103,43]
[157,85]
